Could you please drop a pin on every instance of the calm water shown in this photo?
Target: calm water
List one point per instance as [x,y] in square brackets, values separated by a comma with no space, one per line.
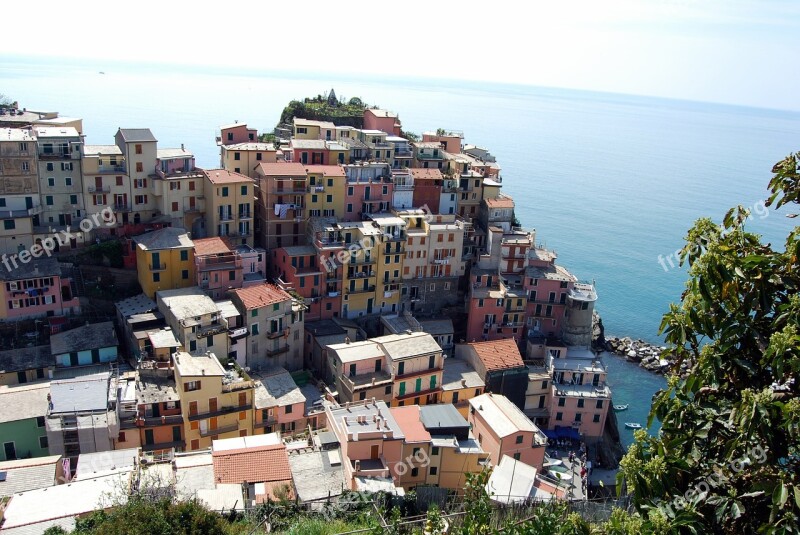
[609,181]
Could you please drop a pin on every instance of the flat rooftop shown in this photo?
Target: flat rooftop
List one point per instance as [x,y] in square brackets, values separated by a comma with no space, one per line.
[277,389]
[198,365]
[81,394]
[22,402]
[403,346]
[185,303]
[459,374]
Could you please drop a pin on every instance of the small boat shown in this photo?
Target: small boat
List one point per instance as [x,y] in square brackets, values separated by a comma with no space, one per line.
[633,425]
[620,407]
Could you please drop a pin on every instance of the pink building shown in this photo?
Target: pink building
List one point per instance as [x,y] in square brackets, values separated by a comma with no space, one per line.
[231,134]
[385,121]
[450,141]
[34,289]
[370,437]
[548,287]
[279,403]
[298,268]
[502,429]
[222,266]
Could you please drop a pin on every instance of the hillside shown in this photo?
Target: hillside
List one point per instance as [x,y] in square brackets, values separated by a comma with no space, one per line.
[327,108]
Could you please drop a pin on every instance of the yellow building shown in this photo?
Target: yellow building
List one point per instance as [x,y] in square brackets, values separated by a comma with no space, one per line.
[178,190]
[164,260]
[326,190]
[215,403]
[308,129]
[245,157]
[359,273]
[106,182]
[229,205]
[392,252]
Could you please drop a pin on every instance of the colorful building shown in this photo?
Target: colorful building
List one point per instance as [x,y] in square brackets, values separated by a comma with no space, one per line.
[22,420]
[35,289]
[221,266]
[502,429]
[88,345]
[230,212]
[279,403]
[164,260]
[280,198]
[178,192]
[215,402]
[383,120]
[20,206]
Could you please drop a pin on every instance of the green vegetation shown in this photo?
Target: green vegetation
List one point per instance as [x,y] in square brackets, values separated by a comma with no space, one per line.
[726,460]
[327,108]
[5,101]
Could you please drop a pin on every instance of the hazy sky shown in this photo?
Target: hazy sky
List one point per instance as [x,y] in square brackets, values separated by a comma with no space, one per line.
[731,51]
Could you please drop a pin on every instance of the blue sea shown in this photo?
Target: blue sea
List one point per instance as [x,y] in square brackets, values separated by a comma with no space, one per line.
[610,182]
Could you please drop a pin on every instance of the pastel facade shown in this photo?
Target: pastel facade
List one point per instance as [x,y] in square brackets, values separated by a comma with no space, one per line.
[232,134]
[195,320]
[309,129]
[361,371]
[279,404]
[88,345]
[165,260]
[178,189]
[214,403]
[281,197]
[22,421]
[230,212]
[275,323]
[502,429]
[139,148]
[383,120]
[60,177]
[35,289]
[245,157]
[221,266]
[20,205]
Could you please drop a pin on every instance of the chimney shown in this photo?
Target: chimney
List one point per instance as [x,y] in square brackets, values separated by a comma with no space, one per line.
[464,382]
[346,339]
[182,149]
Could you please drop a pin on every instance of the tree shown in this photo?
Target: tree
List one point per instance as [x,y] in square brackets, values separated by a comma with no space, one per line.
[726,460]
[5,101]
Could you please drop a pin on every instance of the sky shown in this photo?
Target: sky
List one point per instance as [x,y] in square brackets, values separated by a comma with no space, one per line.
[728,51]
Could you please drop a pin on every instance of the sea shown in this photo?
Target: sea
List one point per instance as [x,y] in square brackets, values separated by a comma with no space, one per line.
[610,182]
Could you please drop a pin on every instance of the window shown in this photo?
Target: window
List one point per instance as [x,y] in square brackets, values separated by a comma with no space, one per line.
[40,421]
[288,409]
[580,403]
[68,181]
[156,277]
[139,167]
[596,418]
[9,224]
[185,274]
[139,199]
[26,167]
[224,191]
[516,456]
[119,181]
[414,472]
[401,368]
[237,156]
[138,148]
[191,386]
[139,183]
[455,398]
[433,470]
[230,136]
[599,404]
[519,439]
[51,182]
[388,390]
[258,156]
[43,442]
[191,185]
[243,190]
[174,186]
[174,206]
[49,166]
[559,416]
[48,200]
[73,199]
[578,417]
[184,256]
[254,313]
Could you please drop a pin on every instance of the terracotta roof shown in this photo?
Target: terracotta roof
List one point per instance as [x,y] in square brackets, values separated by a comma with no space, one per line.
[426,174]
[223,176]
[498,354]
[408,418]
[505,202]
[260,296]
[326,170]
[282,169]
[254,465]
[207,246]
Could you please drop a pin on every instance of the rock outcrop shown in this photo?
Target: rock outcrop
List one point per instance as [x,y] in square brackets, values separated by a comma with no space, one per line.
[652,358]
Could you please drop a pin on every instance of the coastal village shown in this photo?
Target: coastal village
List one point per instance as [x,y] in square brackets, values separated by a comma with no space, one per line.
[334,308]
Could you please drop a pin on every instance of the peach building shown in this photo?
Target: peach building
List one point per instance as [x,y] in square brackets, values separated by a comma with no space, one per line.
[383,120]
[221,266]
[279,403]
[370,438]
[416,449]
[35,289]
[361,371]
[502,429]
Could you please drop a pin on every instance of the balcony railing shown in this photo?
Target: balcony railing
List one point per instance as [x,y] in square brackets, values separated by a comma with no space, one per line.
[28,212]
[361,290]
[118,207]
[219,412]
[174,419]
[111,169]
[245,215]
[279,351]
[220,430]
[272,420]
[226,216]
[402,153]
[177,444]
[157,267]
[55,155]
[360,260]
[99,189]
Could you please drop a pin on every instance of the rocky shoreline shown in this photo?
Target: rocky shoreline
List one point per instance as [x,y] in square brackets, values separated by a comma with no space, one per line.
[648,356]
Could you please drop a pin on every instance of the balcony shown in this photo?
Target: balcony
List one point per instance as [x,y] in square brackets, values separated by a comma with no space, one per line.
[272,420]
[403,187]
[276,352]
[119,207]
[111,169]
[230,428]
[316,189]
[157,267]
[328,243]
[154,421]
[361,275]
[275,334]
[441,261]
[212,263]
[299,189]
[359,260]
[219,412]
[398,236]
[209,330]
[362,290]
[240,234]
[403,153]
[226,216]
[245,215]
[367,380]
[99,189]
[178,444]
[28,212]
[426,156]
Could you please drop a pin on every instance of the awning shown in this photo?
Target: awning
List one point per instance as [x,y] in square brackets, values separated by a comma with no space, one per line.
[550,433]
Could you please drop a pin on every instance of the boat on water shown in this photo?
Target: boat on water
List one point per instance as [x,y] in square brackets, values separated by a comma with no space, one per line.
[620,407]
[633,425]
